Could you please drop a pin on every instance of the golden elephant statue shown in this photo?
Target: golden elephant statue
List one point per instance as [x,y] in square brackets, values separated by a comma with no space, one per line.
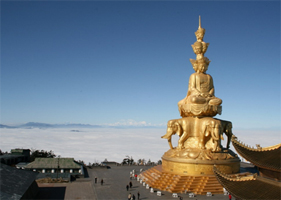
[182,127]
[227,129]
[211,130]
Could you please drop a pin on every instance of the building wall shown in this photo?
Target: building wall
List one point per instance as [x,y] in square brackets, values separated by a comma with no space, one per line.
[13,159]
[60,171]
[31,192]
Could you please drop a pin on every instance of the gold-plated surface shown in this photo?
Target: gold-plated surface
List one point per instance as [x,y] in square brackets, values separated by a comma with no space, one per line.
[199,144]
[234,139]
[249,186]
[155,177]
[198,134]
[200,99]
[246,176]
[267,159]
[191,168]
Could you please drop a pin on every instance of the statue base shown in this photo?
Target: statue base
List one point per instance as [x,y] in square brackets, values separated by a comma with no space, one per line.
[183,175]
[199,162]
[199,167]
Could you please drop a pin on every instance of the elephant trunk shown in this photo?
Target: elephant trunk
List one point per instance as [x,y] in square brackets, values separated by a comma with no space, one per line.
[168,134]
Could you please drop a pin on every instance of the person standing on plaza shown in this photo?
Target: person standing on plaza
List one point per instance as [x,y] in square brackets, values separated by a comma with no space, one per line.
[129,196]
[138,195]
[134,197]
[229,196]
[96,179]
[127,187]
[131,184]
[131,174]
[101,182]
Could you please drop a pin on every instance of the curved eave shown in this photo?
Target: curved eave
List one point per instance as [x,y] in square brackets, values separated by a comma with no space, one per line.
[251,188]
[266,158]
[261,149]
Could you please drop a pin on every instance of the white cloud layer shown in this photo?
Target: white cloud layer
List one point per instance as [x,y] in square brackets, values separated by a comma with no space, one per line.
[92,144]
[131,122]
[96,144]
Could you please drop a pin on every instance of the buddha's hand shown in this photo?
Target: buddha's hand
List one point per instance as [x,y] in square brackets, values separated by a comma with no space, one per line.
[204,95]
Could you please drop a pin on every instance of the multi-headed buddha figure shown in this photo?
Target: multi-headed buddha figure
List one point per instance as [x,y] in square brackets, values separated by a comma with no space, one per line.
[200,99]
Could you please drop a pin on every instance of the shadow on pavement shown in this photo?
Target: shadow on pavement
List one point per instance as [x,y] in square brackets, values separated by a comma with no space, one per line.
[86,174]
[51,193]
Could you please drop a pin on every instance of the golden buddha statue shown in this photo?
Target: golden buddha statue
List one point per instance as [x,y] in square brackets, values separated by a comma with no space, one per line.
[200,99]
[201,91]
[199,145]
[201,88]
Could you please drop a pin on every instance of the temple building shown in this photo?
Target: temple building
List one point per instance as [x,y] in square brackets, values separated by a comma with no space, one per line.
[56,168]
[262,185]
[16,156]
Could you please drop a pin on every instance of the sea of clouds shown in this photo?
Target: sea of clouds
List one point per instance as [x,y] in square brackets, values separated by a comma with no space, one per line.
[113,144]
[89,144]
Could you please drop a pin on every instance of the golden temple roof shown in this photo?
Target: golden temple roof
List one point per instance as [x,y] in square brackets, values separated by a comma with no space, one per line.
[249,186]
[267,158]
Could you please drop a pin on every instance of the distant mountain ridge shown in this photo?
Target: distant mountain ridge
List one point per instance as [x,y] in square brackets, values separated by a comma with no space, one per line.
[31,125]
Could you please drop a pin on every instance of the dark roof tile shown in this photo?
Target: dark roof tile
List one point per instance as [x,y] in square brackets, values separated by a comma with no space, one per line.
[52,163]
[14,182]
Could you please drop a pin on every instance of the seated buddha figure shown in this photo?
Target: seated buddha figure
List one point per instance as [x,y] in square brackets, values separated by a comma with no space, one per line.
[200,99]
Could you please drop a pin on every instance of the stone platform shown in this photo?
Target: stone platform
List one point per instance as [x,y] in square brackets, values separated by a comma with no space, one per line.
[156,178]
[185,175]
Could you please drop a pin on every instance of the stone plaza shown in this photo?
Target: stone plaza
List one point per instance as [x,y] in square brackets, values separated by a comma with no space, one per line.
[114,187]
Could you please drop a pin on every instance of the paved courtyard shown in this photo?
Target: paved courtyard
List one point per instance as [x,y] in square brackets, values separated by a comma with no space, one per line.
[114,187]
[116,179]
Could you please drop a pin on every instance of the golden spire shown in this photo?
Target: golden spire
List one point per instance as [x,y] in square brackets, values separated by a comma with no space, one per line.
[200,47]
[200,32]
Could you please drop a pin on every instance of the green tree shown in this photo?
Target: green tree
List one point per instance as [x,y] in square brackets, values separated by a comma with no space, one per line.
[34,153]
[128,160]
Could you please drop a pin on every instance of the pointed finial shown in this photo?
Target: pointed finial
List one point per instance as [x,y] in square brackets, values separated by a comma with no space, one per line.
[199,21]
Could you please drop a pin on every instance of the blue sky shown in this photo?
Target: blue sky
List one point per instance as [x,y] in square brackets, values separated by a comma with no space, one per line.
[122,62]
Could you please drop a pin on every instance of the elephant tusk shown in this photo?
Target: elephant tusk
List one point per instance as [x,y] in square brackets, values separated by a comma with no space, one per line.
[166,136]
